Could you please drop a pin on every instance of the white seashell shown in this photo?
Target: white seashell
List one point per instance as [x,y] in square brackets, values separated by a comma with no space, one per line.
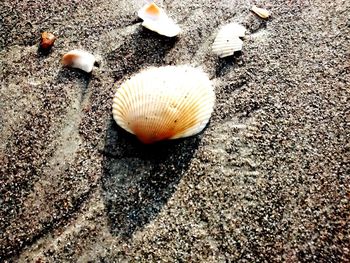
[164,103]
[79,59]
[234,29]
[155,19]
[228,41]
[263,13]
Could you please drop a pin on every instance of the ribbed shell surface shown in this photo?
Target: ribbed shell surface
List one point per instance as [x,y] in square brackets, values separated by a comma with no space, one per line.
[227,40]
[164,103]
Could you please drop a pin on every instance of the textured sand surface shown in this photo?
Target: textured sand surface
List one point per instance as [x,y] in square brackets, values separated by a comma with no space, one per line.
[267,181]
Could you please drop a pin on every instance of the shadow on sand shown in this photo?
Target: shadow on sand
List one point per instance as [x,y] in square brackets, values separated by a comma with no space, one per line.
[225,64]
[139,179]
[142,48]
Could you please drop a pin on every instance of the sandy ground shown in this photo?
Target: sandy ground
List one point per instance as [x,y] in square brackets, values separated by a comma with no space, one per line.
[267,181]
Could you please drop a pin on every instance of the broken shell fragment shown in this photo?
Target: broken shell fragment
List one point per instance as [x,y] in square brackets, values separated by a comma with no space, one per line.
[263,13]
[47,40]
[164,103]
[155,19]
[228,41]
[79,59]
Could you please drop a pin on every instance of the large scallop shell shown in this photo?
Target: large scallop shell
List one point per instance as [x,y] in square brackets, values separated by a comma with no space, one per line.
[164,103]
[155,19]
[228,41]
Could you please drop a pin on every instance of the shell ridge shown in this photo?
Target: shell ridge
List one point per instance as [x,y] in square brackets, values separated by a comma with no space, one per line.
[187,127]
[191,110]
[227,40]
[164,103]
[195,108]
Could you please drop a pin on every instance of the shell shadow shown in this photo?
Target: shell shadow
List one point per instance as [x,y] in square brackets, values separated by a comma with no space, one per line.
[139,179]
[142,48]
[43,52]
[225,64]
[69,75]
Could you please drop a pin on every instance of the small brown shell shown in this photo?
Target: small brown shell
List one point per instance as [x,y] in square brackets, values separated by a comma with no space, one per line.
[47,40]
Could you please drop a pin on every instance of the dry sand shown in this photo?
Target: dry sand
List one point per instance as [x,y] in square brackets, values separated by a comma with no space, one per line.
[267,181]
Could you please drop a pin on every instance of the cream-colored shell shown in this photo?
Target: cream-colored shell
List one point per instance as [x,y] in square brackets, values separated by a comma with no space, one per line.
[155,19]
[263,13]
[164,103]
[228,41]
[79,59]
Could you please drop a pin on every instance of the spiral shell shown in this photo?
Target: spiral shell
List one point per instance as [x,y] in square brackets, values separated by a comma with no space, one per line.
[164,103]
[228,41]
[155,19]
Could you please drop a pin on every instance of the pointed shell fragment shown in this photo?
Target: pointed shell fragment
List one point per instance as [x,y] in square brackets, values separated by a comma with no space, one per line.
[228,41]
[263,13]
[155,19]
[80,59]
[164,103]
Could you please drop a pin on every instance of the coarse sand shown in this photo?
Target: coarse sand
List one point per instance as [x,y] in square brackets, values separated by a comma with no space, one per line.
[267,181]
